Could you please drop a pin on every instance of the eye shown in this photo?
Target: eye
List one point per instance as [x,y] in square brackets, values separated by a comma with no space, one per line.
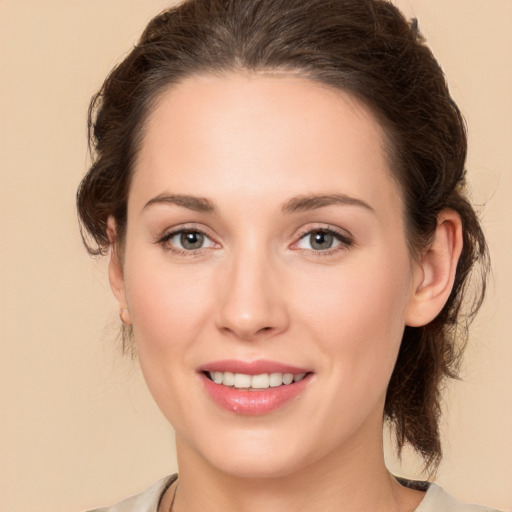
[322,240]
[187,240]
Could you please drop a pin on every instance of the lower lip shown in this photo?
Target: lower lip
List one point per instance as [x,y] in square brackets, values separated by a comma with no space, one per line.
[253,403]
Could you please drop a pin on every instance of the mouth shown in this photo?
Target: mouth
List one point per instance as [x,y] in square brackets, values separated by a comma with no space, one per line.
[254,388]
[257,382]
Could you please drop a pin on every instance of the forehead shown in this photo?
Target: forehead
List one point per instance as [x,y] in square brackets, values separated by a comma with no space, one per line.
[248,134]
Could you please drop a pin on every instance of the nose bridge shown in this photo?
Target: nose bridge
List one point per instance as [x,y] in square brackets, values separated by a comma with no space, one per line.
[252,303]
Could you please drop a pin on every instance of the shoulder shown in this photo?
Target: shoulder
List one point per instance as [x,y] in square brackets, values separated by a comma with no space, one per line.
[438,500]
[146,501]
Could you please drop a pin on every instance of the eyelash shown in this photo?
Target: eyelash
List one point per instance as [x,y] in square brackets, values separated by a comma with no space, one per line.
[345,241]
[163,241]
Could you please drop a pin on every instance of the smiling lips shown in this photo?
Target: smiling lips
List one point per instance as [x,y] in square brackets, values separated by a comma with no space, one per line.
[253,388]
[254,382]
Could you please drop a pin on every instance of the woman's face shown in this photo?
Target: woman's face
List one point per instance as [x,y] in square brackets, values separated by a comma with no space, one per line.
[266,236]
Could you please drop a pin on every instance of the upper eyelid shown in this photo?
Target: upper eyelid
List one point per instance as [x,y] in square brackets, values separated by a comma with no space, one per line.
[345,241]
[164,241]
[342,234]
[170,232]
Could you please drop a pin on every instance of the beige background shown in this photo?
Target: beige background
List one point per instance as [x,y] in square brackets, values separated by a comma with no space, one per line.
[77,425]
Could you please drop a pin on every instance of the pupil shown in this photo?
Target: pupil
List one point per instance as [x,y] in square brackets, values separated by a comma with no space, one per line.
[191,240]
[322,240]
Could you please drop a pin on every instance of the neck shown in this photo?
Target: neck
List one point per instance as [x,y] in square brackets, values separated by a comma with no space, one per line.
[347,480]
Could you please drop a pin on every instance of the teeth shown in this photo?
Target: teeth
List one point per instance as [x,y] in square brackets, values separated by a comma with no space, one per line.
[287,378]
[276,379]
[242,381]
[228,378]
[261,381]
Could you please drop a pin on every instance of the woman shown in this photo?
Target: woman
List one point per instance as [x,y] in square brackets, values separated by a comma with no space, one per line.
[280,185]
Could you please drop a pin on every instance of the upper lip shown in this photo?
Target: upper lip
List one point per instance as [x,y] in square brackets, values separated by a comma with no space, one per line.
[252,367]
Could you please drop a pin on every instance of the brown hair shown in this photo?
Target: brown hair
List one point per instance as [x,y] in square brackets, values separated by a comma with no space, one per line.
[363,47]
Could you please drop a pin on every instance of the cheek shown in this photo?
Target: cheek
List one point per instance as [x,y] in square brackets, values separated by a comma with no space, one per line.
[168,307]
[358,312]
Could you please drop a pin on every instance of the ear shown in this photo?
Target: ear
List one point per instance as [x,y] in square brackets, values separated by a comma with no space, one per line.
[435,272]
[115,272]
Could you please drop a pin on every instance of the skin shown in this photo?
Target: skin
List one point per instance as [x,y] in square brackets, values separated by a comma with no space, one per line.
[258,289]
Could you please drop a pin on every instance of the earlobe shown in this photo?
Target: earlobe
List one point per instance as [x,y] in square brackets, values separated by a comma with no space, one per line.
[436,272]
[115,273]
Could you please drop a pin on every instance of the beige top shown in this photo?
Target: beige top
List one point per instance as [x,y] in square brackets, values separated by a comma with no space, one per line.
[435,500]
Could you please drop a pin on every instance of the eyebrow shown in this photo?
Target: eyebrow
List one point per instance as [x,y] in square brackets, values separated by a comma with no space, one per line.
[295,204]
[314,201]
[199,204]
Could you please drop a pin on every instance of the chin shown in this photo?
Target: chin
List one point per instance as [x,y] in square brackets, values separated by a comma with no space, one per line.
[250,454]
[245,466]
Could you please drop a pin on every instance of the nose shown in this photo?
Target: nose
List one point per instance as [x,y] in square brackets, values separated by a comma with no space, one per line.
[252,299]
